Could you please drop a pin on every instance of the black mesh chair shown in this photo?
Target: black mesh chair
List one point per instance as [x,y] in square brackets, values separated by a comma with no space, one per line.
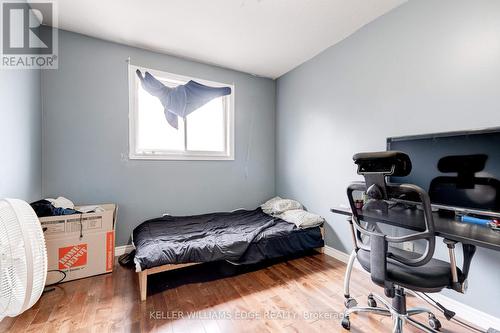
[398,271]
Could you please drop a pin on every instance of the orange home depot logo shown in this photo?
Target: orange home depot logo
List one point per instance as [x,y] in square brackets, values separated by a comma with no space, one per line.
[110,250]
[72,256]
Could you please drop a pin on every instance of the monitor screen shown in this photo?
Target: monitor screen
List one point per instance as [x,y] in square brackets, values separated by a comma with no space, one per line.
[460,169]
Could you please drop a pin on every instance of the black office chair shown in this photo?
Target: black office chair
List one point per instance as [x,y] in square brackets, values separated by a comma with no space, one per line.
[396,270]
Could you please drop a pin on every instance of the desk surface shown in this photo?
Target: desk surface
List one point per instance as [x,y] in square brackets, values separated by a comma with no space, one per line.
[445,227]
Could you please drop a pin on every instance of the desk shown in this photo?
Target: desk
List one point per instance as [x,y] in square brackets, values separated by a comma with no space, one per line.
[445,227]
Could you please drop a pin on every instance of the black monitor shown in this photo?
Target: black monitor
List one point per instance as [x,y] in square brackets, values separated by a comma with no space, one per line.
[459,170]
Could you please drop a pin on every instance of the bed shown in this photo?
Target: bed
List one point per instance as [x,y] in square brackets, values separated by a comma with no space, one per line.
[240,237]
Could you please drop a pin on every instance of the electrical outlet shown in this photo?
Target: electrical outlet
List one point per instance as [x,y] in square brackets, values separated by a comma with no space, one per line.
[408,246]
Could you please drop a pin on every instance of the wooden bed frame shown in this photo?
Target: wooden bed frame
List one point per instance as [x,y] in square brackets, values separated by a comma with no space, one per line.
[143,275]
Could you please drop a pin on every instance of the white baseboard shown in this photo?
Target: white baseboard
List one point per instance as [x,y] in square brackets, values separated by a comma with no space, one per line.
[337,254]
[464,311]
[341,256]
[119,250]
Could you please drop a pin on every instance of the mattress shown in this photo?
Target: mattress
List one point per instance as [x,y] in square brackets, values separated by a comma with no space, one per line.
[240,237]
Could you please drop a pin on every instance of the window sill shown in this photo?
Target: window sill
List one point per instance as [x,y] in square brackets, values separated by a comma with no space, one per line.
[181,157]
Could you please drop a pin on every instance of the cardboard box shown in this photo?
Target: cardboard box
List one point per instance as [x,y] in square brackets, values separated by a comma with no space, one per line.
[80,245]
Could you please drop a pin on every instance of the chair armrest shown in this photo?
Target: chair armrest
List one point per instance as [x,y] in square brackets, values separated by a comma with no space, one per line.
[420,261]
[378,259]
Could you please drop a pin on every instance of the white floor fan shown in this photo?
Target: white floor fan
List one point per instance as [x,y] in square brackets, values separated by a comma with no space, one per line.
[23,258]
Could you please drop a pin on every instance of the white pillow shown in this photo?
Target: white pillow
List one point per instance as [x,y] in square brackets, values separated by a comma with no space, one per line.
[268,205]
[301,218]
[284,205]
[278,205]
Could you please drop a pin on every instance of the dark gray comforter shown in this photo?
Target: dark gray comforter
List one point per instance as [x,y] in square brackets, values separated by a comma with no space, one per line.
[219,236]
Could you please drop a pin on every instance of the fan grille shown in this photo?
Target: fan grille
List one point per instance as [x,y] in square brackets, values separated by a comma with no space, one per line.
[21,242]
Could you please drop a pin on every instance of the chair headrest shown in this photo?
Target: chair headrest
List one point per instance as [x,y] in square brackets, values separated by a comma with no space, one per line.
[394,163]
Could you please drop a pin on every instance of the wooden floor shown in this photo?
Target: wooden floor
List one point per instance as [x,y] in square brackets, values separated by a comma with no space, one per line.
[299,295]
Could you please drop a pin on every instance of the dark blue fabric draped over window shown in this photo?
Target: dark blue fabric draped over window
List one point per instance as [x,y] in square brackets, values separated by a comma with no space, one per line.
[182,100]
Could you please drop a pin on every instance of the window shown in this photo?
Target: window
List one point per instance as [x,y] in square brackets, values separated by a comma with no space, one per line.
[205,134]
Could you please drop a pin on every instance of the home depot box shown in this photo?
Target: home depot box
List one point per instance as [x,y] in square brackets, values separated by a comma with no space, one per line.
[80,245]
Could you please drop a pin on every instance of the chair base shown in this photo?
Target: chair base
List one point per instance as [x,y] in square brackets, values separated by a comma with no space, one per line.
[397,310]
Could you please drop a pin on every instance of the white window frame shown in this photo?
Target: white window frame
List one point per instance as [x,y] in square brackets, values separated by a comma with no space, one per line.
[135,154]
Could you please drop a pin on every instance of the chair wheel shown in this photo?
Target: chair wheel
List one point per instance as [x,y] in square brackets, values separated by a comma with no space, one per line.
[434,323]
[371,302]
[350,303]
[346,323]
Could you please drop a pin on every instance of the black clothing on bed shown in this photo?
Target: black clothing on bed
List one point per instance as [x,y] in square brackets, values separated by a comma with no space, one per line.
[240,237]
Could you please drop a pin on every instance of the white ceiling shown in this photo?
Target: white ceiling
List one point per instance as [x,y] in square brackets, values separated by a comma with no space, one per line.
[263,37]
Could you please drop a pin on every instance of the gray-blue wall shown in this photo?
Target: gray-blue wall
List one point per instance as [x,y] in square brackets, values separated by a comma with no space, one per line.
[427,66]
[20,134]
[85,138]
